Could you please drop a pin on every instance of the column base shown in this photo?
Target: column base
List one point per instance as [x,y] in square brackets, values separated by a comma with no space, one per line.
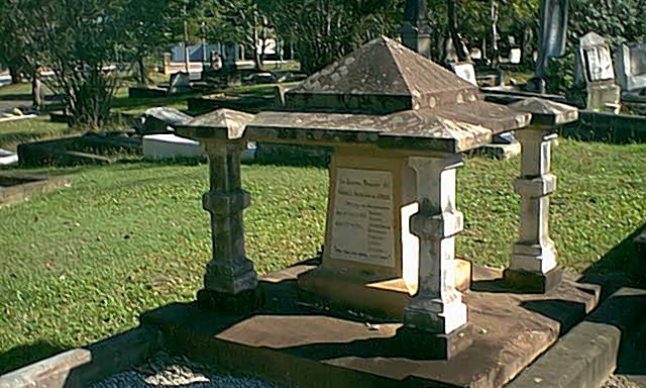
[533,282]
[420,344]
[241,303]
[434,316]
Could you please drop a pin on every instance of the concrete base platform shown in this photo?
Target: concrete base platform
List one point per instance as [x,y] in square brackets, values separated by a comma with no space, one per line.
[291,342]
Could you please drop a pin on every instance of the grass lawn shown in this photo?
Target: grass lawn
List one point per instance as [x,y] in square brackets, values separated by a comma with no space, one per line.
[80,264]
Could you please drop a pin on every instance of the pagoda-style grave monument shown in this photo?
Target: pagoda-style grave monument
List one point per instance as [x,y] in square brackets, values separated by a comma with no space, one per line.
[388,303]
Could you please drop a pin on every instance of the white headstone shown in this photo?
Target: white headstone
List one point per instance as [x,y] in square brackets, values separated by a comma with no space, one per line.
[630,64]
[168,146]
[466,71]
[595,59]
[596,70]
[7,158]
[515,56]
[178,82]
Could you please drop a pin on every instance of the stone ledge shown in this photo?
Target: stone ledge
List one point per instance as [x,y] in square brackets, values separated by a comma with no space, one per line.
[83,366]
[588,353]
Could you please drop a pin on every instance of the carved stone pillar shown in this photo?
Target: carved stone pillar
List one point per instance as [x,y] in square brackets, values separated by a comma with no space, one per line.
[534,266]
[230,281]
[533,262]
[437,308]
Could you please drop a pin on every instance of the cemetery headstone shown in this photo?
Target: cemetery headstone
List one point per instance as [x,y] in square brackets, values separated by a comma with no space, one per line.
[595,69]
[515,56]
[180,82]
[391,220]
[7,158]
[466,71]
[630,64]
[416,31]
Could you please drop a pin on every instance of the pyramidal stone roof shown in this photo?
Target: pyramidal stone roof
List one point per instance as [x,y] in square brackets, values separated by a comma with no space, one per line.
[219,124]
[382,76]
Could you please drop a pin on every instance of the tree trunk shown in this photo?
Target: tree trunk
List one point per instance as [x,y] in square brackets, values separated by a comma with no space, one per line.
[143,74]
[453,30]
[257,56]
[495,52]
[37,94]
[16,77]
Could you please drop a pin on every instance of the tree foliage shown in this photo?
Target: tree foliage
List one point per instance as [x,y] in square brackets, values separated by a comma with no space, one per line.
[324,30]
[147,30]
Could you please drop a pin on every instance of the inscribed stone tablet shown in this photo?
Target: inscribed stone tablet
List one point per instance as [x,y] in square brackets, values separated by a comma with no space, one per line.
[638,60]
[600,64]
[362,218]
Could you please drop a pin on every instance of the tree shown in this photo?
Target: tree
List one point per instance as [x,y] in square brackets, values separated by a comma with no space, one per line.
[146,30]
[82,41]
[239,21]
[20,48]
[325,30]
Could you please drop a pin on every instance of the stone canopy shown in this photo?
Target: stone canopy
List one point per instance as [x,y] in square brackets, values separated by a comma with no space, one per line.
[384,94]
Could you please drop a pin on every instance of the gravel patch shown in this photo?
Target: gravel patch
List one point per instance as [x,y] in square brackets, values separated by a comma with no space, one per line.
[166,371]
[621,382]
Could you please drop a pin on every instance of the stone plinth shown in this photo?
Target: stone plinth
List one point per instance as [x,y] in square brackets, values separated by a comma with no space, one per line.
[291,343]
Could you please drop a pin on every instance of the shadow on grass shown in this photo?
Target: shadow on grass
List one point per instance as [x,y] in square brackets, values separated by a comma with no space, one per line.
[22,355]
[28,137]
[28,97]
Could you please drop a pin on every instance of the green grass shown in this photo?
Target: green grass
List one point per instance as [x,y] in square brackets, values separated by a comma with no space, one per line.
[16,89]
[82,263]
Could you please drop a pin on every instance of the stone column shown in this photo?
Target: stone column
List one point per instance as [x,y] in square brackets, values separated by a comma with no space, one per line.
[533,265]
[230,283]
[437,308]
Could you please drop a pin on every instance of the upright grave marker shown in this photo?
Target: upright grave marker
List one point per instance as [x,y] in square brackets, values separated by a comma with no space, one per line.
[595,68]
[630,64]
